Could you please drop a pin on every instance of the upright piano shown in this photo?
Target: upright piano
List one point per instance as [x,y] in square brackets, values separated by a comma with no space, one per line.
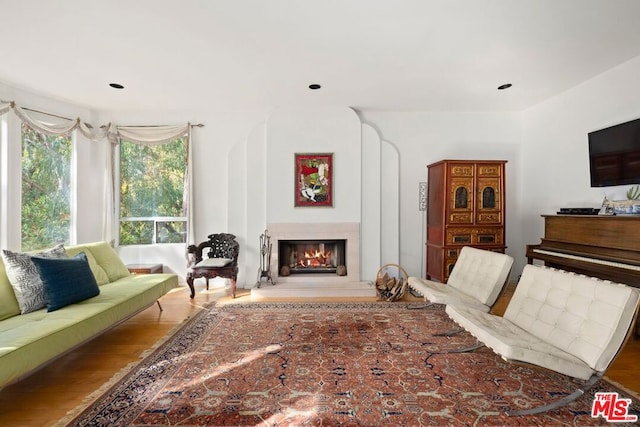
[601,246]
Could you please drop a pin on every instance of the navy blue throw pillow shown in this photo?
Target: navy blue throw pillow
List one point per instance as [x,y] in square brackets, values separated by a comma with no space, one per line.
[66,282]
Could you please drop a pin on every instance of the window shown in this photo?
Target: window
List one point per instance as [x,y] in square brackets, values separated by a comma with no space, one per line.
[152,193]
[46,189]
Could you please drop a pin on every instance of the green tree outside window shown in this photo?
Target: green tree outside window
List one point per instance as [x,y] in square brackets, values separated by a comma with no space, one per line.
[46,189]
[152,192]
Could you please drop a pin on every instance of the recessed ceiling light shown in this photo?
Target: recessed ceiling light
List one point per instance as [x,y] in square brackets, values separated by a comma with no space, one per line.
[314,86]
[505,86]
[116,85]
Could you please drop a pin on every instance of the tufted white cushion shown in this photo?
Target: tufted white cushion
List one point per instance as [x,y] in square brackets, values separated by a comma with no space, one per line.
[476,280]
[439,293]
[480,273]
[577,314]
[514,343]
[565,322]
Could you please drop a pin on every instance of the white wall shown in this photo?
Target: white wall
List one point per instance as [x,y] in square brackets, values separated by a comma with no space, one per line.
[252,195]
[325,130]
[371,221]
[555,157]
[424,138]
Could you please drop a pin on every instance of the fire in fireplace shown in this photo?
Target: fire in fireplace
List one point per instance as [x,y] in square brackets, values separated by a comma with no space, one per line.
[310,256]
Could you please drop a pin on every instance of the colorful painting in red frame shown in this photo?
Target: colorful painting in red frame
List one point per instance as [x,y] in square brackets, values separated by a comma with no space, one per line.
[313,179]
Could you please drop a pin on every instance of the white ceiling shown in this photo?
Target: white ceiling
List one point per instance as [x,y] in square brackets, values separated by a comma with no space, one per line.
[247,55]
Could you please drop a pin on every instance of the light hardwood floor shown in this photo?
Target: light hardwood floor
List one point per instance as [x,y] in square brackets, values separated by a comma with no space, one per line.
[46,396]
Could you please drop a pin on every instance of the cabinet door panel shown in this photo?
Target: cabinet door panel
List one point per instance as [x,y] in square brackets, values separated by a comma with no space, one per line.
[459,236]
[489,201]
[461,200]
[461,170]
[461,218]
[488,236]
[490,169]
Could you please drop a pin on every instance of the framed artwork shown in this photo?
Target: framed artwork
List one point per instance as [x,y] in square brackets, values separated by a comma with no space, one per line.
[313,179]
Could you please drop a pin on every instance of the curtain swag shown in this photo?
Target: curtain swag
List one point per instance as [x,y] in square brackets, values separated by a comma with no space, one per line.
[151,135]
[145,135]
[108,131]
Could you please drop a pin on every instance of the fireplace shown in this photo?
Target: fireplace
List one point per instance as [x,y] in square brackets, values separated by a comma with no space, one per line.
[311,256]
[329,247]
[341,239]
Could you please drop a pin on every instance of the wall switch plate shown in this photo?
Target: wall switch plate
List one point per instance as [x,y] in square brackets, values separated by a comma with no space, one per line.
[422,196]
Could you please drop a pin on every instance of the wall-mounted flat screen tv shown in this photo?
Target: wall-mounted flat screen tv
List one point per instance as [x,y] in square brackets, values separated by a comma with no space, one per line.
[614,155]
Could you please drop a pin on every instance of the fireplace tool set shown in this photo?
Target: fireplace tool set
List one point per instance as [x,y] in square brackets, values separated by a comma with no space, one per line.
[265,259]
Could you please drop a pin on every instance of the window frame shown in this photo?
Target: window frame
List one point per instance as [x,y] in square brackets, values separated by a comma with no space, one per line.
[157,219]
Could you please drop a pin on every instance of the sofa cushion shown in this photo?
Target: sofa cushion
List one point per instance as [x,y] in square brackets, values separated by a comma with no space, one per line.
[98,271]
[8,303]
[107,258]
[24,277]
[31,340]
[66,280]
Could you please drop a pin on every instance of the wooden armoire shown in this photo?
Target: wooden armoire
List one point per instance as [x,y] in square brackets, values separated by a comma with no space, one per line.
[465,207]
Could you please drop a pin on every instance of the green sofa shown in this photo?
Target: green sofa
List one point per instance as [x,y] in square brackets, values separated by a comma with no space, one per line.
[29,341]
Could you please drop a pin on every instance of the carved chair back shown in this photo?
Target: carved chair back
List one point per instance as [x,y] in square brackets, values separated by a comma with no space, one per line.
[219,245]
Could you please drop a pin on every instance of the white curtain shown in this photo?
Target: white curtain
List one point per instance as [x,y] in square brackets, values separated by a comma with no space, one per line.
[5,107]
[103,132]
[148,135]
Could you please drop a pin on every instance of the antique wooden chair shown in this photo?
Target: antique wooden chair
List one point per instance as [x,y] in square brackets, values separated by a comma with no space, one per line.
[216,257]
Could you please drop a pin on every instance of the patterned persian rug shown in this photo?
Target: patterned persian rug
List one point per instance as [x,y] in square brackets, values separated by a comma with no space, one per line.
[353,364]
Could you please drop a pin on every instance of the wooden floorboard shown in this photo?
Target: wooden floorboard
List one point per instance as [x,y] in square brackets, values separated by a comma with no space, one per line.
[47,395]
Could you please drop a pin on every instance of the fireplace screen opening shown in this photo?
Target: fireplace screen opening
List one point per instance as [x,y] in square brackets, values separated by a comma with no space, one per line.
[311,256]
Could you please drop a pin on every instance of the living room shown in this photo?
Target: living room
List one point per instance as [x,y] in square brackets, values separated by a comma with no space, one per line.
[555,123]
[576,76]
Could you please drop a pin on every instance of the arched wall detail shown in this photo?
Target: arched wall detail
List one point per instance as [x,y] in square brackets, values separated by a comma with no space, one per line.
[366,174]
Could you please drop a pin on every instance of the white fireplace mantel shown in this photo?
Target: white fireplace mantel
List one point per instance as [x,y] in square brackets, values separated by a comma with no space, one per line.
[318,285]
[349,231]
